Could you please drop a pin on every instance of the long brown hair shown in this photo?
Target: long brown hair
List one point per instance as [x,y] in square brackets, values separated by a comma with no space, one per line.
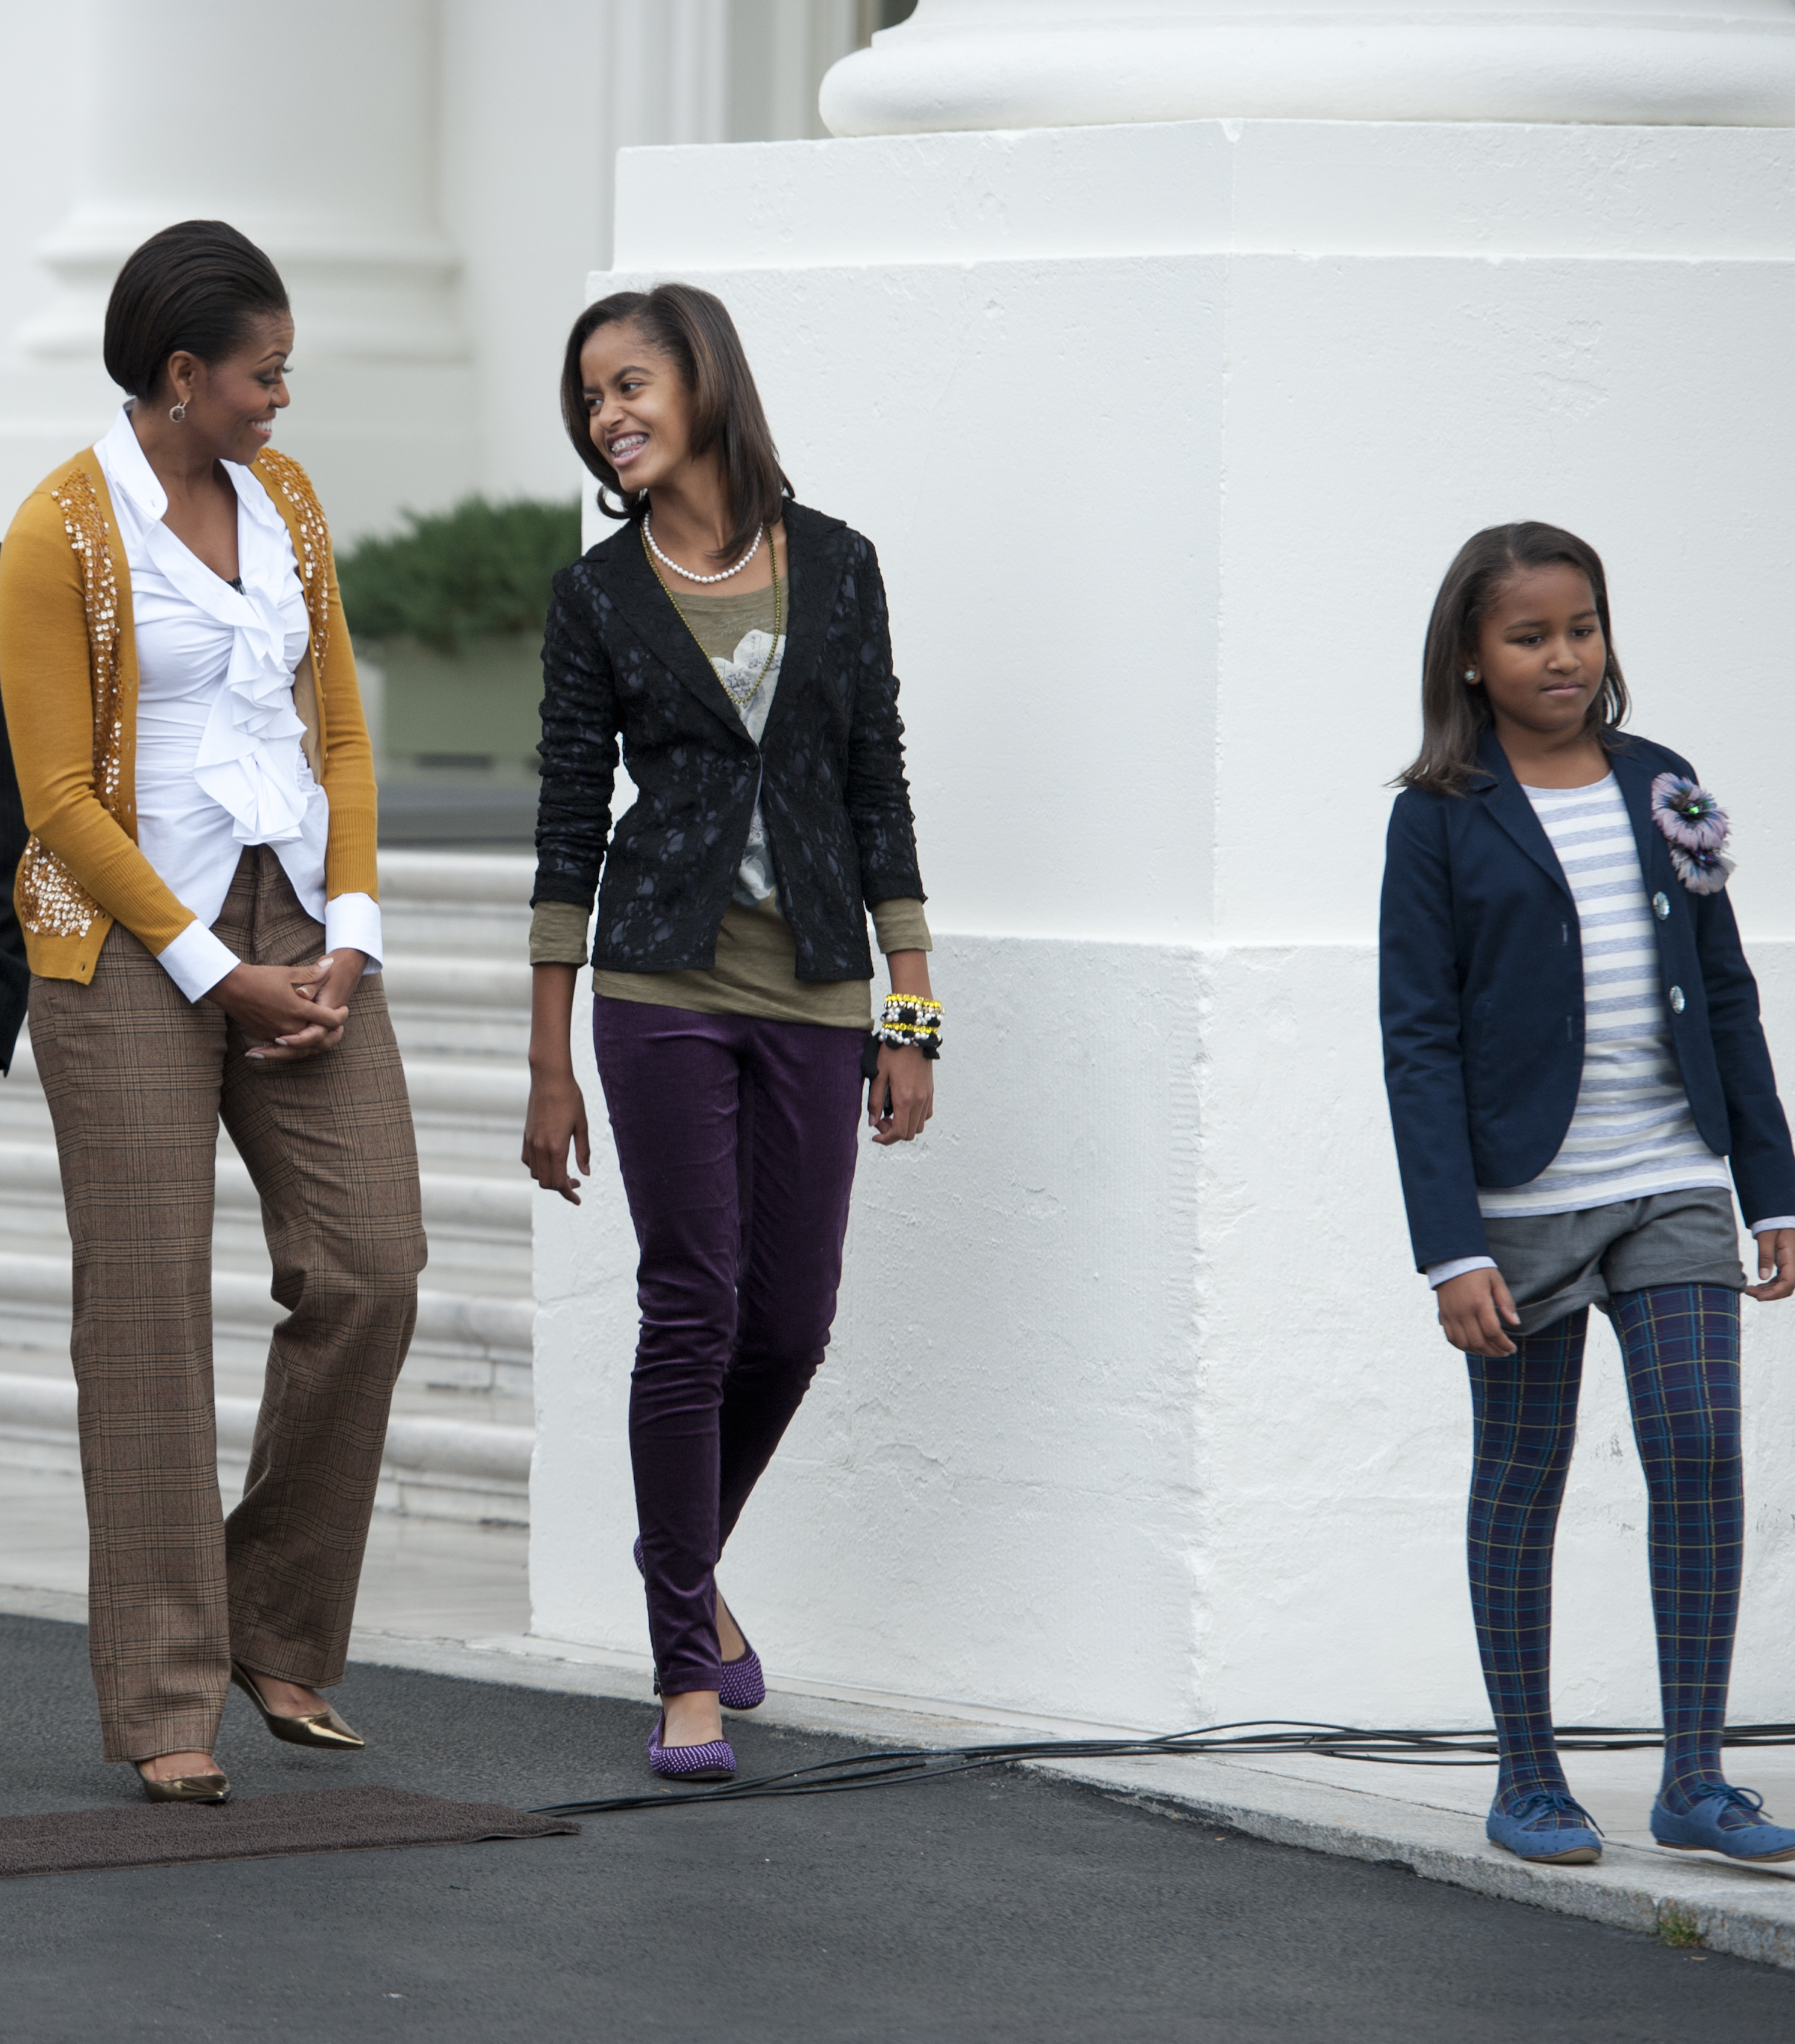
[1456,712]
[693,330]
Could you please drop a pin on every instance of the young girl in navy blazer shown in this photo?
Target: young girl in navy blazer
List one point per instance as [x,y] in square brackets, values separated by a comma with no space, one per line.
[1574,1059]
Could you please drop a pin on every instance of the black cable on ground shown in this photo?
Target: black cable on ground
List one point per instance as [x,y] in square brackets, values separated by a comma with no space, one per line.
[888,1766]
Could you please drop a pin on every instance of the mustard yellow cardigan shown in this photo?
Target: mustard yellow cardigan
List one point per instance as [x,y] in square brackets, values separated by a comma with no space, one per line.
[68,677]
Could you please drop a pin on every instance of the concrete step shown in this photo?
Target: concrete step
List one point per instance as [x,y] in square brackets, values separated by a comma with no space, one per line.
[465,1260]
[480,984]
[433,1468]
[494,1205]
[460,1008]
[453,904]
[458,984]
[468,1112]
[500,1329]
[465,1091]
[494,1088]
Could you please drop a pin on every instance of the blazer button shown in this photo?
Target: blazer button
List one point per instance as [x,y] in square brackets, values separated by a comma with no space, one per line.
[1661,906]
[1676,1002]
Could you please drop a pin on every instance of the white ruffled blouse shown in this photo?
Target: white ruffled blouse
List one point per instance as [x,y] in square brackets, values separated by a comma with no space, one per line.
[220,764]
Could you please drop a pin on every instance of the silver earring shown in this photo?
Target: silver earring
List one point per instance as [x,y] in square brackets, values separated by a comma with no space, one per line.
[1470,673]
[178,412]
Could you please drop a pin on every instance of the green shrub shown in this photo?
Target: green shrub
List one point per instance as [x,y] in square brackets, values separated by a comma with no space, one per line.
[461,575]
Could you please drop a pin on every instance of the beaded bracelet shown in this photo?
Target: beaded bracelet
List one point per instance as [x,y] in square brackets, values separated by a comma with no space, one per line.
[911,1024]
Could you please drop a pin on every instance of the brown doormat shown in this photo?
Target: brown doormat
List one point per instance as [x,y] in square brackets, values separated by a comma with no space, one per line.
[255,1827]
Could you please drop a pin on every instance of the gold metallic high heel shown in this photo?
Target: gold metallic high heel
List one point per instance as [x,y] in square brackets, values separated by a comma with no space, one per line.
[186,1787]
[320,1728]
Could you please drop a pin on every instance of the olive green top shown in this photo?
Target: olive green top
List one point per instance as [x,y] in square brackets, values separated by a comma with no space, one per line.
[756,968]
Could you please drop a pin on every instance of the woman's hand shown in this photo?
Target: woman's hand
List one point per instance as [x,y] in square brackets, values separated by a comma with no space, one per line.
[290,1011]
[555,1116]
[1776,1266]
[904,1090]
[902,1097]
[1472,1308]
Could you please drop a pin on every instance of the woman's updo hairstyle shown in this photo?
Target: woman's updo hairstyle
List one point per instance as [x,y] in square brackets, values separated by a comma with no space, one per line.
[693,329]
[199,286]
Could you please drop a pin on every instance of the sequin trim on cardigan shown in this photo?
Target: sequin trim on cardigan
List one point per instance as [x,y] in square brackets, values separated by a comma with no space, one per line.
[313,549]
[52,902]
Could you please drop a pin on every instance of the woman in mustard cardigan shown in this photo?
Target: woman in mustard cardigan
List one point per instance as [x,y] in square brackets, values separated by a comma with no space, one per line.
[197,899]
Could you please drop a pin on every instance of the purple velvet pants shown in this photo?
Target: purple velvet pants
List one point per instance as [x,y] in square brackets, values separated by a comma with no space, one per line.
[736,1138]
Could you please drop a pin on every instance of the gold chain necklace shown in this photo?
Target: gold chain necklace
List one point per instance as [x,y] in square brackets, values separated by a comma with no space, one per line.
[740,702]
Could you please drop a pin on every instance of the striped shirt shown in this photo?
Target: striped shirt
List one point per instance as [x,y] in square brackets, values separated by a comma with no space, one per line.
[1631,1132]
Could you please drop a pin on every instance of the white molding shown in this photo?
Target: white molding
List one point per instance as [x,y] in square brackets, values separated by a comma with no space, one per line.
[1021,63]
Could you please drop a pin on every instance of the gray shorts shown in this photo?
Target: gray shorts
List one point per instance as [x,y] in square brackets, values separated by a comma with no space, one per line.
[1556,1263]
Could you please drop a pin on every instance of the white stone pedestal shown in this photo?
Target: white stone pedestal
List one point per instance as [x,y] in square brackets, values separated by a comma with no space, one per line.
[1137,1410]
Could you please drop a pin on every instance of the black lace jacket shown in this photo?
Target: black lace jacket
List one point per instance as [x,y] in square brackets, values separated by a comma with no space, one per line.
[618,663]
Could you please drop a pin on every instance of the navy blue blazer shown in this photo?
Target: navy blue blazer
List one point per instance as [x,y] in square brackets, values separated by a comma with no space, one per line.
[1480,988]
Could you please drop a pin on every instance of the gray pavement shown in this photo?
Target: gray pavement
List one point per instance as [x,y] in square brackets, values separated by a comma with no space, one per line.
[1013,1906]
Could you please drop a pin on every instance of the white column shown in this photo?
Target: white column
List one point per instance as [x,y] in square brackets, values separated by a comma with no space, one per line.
[317,138]
[540,95]
[1046,64]
[779,53]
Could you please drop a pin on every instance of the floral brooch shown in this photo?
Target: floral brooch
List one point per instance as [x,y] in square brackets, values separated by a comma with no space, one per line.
[1695,826]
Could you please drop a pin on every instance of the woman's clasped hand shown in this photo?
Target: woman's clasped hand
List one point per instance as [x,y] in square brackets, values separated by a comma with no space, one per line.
[288,1012]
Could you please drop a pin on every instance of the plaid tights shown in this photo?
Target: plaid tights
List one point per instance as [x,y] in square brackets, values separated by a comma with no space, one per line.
[1681,1346]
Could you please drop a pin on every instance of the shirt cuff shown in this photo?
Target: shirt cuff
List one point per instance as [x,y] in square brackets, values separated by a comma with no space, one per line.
[1775,1220]
[353,920]
[196,960]
[902,926]
[558,934]
[1437,1274]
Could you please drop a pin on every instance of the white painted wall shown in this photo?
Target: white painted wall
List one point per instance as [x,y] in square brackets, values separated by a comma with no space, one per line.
[41,43]
[1136,1411]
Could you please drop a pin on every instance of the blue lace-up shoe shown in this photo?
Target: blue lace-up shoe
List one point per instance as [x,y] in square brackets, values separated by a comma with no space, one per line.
[1530,1831]
[1704,1828]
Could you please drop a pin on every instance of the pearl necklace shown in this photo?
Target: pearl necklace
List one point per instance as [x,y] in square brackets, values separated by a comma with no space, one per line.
[648,534]
[740,700]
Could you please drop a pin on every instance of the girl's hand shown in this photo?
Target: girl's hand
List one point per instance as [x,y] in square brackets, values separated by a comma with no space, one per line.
[557,1113]
[902,1097]
[555,1118]
[290,1011]
[1473,1307]
[1776,1265]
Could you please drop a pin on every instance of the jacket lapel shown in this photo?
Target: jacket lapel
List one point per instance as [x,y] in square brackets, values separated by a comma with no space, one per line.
[1634,777]
[815,550]
[648,611]
[1507,804]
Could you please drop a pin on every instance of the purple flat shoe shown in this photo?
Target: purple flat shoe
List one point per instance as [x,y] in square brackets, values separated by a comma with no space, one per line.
[714,1761]
[742,1684]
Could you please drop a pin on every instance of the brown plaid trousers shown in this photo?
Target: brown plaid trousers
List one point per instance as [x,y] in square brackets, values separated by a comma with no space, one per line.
[137,1080]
